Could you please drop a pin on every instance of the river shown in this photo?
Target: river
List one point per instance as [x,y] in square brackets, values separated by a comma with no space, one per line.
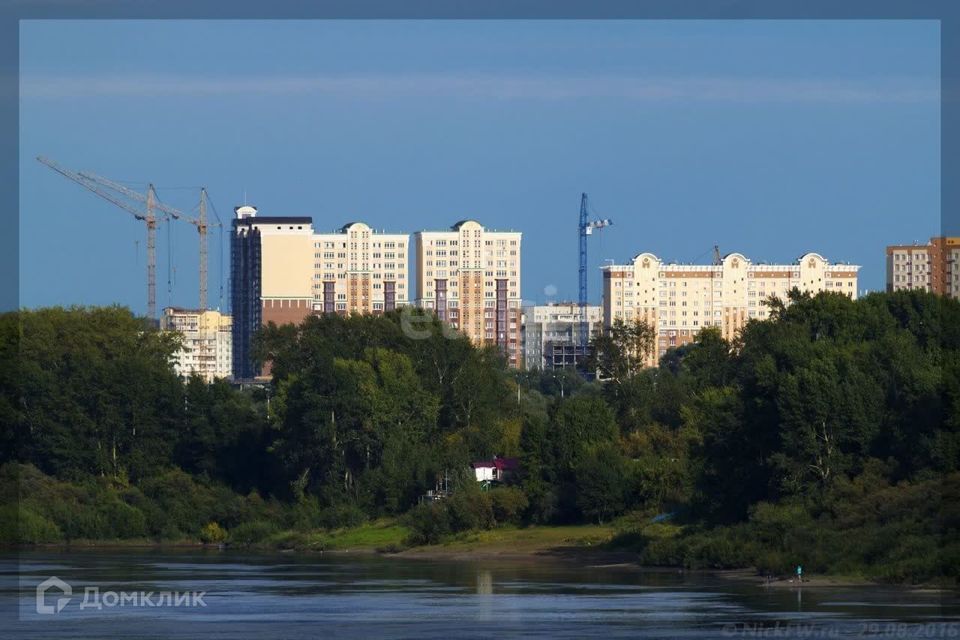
[232,595]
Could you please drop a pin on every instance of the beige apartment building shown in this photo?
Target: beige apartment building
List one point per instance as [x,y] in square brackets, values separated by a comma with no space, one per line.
[359,270]
[207,344]
[273,257]
[470,277]
[678,300]
[281,271]
[933,267]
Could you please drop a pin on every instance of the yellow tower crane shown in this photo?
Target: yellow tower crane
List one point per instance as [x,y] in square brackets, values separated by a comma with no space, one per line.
[145,207]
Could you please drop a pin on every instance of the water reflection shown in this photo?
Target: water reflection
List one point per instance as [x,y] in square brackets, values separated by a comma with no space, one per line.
[282,596]
[484,582]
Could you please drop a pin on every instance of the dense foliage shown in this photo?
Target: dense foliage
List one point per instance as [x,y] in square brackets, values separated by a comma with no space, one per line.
[827,435]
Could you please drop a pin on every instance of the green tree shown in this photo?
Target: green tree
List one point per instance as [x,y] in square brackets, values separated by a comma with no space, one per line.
[601,478]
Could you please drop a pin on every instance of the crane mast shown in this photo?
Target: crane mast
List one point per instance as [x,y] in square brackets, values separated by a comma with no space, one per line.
[582,231]
[201,225]
[585,228]
[151,220]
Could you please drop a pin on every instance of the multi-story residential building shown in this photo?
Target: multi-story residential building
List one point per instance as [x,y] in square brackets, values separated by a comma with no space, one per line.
[358,270]
[678,300]
[470,277]
[550,334]
[271,278]
[282,272]
[207,342]
[934,266]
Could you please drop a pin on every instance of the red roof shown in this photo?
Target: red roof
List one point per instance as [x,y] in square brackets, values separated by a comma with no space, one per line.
[504,464]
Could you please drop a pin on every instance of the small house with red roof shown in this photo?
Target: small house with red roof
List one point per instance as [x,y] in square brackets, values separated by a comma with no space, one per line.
[496,470]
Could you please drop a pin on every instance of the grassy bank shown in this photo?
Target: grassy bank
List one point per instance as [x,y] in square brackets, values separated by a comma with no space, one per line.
[517,541]
[383,535]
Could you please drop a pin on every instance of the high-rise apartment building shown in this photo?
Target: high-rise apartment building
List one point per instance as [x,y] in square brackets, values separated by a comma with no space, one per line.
[679,300]
[358,270]
[550,334]
[207,342]
[470,277]
[933,267]
[282,272]
[271,278]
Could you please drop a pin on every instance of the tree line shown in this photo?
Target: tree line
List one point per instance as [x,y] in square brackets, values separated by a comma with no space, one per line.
[763,451]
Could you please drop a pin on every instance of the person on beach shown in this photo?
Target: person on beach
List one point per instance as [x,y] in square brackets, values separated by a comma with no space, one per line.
[799,573]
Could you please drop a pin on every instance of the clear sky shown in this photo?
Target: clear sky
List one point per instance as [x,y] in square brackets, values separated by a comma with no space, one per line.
[768,138]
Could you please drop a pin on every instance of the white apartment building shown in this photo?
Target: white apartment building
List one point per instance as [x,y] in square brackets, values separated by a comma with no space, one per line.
[470,277]
[207,349]
[679,300]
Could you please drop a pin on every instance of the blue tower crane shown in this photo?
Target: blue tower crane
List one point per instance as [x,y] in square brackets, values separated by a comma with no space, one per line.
[585,229]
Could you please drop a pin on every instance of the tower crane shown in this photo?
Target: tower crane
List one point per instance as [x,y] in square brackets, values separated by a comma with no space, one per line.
[585,229]
[144,207]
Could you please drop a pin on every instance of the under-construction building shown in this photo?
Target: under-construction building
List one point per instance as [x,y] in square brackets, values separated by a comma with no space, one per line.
[551,334]
[206,338]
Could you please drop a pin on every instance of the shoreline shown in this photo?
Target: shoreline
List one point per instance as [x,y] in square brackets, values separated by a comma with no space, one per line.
[628,561]
[584,557]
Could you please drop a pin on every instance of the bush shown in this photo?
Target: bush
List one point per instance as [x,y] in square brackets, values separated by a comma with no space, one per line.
[716,549]
[509,504]
[120,520]
[76,521]
[212,533]
[293,540]
[252,532]
[23,526]
[9,517]
[469,510]
[170,533]
[182,502]
[428,523]
[342,515]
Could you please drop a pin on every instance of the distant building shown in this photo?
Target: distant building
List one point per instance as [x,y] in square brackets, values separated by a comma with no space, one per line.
[551,334]
[496,470]
[207,342]
[678,300]
[933,267]
[271,278]
[470,277]
[358,270]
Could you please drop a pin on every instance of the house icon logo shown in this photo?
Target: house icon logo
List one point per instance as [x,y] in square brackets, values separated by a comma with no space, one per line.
[52,583]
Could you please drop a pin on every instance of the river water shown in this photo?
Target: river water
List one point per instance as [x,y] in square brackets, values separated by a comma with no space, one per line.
[236,596]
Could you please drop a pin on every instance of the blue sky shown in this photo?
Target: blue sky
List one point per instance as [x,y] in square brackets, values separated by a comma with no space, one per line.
[765,137]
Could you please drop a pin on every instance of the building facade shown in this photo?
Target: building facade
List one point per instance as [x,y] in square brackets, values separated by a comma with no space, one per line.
[271,278]
[358,270]
[470,277]
[550,334]
[933,267]
[678,300]
[207,349]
